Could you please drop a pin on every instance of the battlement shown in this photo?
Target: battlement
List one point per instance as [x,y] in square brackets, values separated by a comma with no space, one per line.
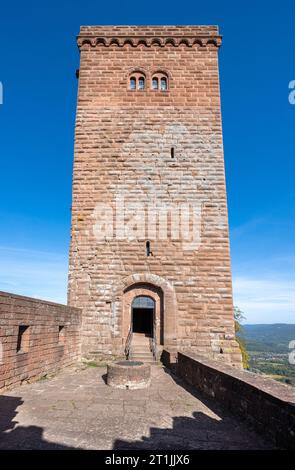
[149,36]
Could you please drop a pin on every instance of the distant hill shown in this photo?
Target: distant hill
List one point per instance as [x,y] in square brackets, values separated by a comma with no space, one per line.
[268,338]
[268,350]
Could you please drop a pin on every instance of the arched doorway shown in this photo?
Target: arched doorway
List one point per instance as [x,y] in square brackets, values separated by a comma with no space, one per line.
[143,315]
[165,309]
[143,312]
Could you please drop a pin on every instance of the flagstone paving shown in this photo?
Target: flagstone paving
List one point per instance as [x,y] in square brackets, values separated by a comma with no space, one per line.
[77,410]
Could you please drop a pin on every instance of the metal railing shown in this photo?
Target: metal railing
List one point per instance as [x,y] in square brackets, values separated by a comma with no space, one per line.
[153,347]
[128,344]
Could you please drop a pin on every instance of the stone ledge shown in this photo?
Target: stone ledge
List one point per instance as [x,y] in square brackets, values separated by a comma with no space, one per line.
[267,405]
[17,297]
[277,390]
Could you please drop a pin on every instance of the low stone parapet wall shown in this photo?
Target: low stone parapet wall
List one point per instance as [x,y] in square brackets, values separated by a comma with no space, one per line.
[36,338]
[266,404]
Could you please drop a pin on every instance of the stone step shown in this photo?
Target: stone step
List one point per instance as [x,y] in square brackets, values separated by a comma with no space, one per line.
[146,360]
[140,343]
[144,350]
[140,338]
[145,343]
[141,357]
[141,353]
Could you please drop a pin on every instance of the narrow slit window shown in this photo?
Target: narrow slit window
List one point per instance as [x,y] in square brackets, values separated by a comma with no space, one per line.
[132,83]
[155,83]
[172,152]
[163,83]
[61,335]
[23,338]
[141,83]
[148,248]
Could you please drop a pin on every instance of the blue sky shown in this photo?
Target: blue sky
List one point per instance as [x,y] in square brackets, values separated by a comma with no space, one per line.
[37,69]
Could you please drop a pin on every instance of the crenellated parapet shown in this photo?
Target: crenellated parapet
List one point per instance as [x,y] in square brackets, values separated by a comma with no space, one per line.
[149,36]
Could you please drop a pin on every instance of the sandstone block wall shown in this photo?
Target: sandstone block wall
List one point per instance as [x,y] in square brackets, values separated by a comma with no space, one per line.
[36,338]
[267,405]
[123,143]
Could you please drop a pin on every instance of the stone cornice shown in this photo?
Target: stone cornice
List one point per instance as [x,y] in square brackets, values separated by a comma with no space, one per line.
[149,36]
[134,41]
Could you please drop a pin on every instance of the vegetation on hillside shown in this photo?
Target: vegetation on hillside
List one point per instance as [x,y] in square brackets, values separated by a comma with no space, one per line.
[268,349]
[274,338]
[239,317]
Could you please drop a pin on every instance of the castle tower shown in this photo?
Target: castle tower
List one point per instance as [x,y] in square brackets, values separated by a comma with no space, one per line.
[149,252]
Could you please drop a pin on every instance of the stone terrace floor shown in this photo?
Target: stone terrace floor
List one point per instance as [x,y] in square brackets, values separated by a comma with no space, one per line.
[76,409]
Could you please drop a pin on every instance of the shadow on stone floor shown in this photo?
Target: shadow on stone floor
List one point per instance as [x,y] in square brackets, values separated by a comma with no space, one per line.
[198,432]
[187,433]
[185,428]
[220,410]
[210,403]
[21,437]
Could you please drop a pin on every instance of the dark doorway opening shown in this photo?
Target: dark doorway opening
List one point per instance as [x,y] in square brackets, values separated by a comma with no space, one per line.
[143,321]
[143,308]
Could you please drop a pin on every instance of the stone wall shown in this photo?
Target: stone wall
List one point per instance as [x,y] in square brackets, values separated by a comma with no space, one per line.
[266,404]
[36,338]
[123,152]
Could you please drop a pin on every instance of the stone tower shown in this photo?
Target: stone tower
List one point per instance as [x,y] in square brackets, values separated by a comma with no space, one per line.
[149,249]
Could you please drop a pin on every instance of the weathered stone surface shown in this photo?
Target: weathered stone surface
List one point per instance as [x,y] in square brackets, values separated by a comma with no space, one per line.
[76,409]
[130,375]
[51,339]
[268,405]
[123,143]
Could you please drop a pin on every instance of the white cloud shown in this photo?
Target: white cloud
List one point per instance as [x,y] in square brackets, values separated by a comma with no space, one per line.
[265,300]
[34,273]
[44,275]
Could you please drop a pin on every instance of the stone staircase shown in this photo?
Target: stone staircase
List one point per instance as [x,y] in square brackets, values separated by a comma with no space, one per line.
[140,348]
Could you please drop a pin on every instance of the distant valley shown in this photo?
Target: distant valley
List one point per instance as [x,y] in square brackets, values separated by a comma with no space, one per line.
[268,348]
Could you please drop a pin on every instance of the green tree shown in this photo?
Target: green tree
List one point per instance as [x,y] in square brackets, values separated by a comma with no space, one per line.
[239,317]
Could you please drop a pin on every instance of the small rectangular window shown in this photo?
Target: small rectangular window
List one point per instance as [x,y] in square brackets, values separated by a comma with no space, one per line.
[141,83]
[148,248]
[132,83]
[61,335]
[155,85]
[23,339]
[163,83]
